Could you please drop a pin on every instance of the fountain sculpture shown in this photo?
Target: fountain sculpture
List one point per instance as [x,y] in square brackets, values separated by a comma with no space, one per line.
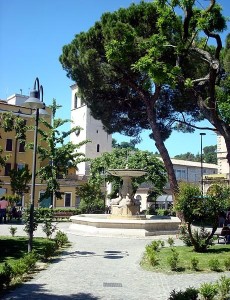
[125,205]
[125,218]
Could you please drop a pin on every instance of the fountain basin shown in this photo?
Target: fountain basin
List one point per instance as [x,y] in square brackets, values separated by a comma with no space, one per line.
[106,225]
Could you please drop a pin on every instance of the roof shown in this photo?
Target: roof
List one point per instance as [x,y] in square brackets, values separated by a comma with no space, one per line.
[189,163]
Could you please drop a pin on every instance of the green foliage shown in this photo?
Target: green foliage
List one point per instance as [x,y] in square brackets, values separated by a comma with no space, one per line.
[122,158]
[224,288]
[189,294]
[6,275]
[227,264]
[184,235]
[92,199]
[20,267]
[49,249]
[204,209]
[194,263]
[209,155]
[61,239]
[62,154]
[208,290]
[151,251]
[174,260]
[154,246]
[171,241]
[13,230]
[154,55]
[48,227]
[26,220]
[214,264]
[19,180]
[30,259]
[200,237]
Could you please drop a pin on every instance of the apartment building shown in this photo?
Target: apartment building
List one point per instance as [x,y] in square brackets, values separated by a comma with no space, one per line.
[19,157]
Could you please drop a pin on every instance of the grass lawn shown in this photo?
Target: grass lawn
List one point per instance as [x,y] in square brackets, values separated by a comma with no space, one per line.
[14,248]
[220,252]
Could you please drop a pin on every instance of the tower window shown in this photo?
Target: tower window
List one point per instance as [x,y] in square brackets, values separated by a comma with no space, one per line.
[98,148]
[75,101]
[9,144]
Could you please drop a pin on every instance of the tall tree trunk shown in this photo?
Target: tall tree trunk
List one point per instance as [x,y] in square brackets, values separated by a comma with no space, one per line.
[163,151]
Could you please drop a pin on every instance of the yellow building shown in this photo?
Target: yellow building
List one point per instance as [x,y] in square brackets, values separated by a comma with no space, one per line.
[19,157]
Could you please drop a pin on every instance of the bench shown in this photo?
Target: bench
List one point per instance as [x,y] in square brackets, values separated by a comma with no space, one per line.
[222,238]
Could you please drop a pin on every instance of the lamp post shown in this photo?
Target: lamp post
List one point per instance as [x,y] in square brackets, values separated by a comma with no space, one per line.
[201,162]
[34,102]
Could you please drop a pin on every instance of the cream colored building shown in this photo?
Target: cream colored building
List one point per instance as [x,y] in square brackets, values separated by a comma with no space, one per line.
[223,165]
[187,171]
[92,130]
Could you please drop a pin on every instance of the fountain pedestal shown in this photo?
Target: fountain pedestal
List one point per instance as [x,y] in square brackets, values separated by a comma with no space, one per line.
[125,206]
[131,211]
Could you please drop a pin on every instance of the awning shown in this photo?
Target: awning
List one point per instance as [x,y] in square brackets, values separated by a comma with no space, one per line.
[164,198]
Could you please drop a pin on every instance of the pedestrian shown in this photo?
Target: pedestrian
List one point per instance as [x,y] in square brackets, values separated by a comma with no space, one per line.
[3,208]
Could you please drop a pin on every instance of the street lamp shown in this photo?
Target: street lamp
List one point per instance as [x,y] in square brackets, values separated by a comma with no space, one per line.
[34,102]
[201,162]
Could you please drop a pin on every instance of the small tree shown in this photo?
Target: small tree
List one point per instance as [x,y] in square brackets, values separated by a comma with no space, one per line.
[91,198]
[59,154]
[207,209]
[19,180]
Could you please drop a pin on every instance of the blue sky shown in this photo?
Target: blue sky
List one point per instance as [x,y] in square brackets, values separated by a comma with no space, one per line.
[32,34]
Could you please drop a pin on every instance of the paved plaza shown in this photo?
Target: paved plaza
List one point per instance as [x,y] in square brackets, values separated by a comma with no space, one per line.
[102,268]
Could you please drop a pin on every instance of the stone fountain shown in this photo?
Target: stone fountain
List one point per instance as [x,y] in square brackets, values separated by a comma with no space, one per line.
[125,218]
[126,206]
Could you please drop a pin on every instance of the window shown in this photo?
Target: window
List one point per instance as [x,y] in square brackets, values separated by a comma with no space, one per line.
[78,200]
[20,166]
[98,148]
[21,147]
[7,169]
[67,199]
[75,101]
[180,174]
[9,144]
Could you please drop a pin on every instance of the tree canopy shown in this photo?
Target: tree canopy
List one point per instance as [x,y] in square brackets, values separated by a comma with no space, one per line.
[149,67]
[209,155]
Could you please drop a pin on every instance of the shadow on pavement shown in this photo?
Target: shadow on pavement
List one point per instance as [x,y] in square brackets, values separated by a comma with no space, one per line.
[37,291]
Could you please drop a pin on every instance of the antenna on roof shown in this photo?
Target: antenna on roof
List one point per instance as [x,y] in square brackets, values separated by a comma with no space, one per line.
[21,91]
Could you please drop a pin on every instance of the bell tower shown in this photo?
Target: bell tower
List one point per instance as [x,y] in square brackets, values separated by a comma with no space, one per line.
[92,130]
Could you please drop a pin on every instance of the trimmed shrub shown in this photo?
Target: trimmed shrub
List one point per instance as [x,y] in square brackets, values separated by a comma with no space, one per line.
[30,259]
[214,264]
[49,250]
[171,241]
[224,288]
[208,290]
[6,275]
[61,239]
[13,230]
[189,294]
[173,260]
[194,263]
[20,267]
